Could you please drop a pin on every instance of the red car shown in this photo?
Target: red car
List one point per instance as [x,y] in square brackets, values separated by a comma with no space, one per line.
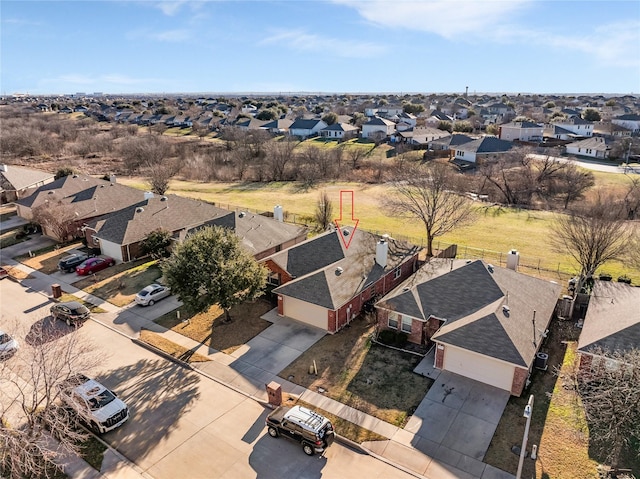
[93,265]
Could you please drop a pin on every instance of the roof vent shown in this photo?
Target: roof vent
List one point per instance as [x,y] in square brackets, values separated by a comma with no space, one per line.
[163,198]
[345,232]
[101,186]
[241,214]
[74,176]
[339,271]
[139,209]
[405,289]
[506,310]
[50,193]
[490,268]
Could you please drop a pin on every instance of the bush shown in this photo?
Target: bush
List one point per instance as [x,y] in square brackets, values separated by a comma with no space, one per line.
[390,337]
[604,277]
[624,279]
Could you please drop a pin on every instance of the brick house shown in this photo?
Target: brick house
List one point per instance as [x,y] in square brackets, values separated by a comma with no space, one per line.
[486,323]
[323,283]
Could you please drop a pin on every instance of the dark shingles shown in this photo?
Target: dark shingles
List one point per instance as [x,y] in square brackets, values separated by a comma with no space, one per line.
[485,336]
[404,303]
[313,255]
[458,293]
[314,289]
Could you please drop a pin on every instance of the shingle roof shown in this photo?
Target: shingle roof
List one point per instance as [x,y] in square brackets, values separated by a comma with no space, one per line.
[613,318]
[470,298]
[259,233]
[302,124]
[487,144]
[454,140]
[523,124]
[340,127]
[172,213]
[20,178]
[594,143]
[315,262]
[377,121]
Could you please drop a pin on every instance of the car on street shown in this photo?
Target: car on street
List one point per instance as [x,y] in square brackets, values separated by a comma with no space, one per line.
[97,406]
[71,312]
[93,265]
[151,294]
[312,430]
[8,345]
[68,263]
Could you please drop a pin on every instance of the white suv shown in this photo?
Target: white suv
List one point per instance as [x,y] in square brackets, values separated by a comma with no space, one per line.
[96,405]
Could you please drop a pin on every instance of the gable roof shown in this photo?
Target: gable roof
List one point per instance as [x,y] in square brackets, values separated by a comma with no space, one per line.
[487,144]
[470,298]
[170,212]
[20,178]
[454,140]
[327,274]
[259,233]
[377,121]
[59,189]
[523,124]
[303,124]
[613,318]
[340,127]
[594,143]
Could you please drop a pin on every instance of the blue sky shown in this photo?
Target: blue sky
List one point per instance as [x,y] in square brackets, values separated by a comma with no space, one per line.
[336,46]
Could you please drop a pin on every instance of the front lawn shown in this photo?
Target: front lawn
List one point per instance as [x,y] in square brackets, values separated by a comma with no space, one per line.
[369,377]
[120,288]
[558,424]
[171,348]
[209,328]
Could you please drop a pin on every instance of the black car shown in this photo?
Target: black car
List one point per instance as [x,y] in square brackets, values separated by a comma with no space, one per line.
[70,312]
[68,263]
[312,430]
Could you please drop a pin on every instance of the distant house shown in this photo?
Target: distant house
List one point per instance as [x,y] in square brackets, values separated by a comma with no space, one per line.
[612,324]
[630,121]
[378,128]
[521,131]
[483,149]
[487,323]
[420,136]
[325,284]
[306,128]
[451,142]
[576,125]
[340,131]
[555,132]
[611,130]
[17,182]
[246,124]
[278,127]
[436,117]
[595,147]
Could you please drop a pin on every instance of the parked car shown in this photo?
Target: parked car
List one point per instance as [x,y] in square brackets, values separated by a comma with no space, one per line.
[312,430]
[8,345]
[152,293]
[68,263]
[93,265]
[97,406]
[71,312]
[3,273]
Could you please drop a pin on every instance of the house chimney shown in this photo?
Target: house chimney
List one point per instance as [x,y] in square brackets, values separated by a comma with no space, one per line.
[148,195]
[278,213]
[382,251]
[513,259]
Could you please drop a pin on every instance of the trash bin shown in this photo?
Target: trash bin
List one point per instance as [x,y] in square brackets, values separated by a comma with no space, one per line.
[56,291]
[274,393]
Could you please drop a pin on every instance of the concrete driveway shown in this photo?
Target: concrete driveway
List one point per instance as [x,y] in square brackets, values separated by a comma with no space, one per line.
[456,420]
[275,348]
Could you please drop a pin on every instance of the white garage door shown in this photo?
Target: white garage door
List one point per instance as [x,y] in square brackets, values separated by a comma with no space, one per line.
[305,312]
[478,367]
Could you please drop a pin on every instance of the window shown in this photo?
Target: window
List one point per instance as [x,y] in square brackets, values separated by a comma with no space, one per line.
[393,321]
[273,278]
[406,324]
[397,273]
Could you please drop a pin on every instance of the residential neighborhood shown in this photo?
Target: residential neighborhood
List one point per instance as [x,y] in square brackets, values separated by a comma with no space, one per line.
[474,330]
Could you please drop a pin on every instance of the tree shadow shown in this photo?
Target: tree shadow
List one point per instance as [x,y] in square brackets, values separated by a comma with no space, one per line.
[46,330]
[274,458]
[158,393]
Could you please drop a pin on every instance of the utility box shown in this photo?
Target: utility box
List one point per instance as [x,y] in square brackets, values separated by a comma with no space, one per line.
[56,291]
[274,393]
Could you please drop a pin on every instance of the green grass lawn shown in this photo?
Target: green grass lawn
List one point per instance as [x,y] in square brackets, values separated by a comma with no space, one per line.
[496,231]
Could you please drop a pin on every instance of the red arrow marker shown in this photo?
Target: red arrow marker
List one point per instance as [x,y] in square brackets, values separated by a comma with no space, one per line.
[346,197]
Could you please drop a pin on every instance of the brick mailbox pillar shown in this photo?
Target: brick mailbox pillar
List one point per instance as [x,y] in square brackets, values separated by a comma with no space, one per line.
[56,291]
[274,393]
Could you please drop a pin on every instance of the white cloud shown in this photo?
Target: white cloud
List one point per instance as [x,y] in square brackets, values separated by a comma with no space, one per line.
[447,18]
[170,7]
[303,41]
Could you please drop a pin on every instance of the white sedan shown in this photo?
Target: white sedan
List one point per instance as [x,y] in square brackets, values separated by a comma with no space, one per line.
[152,293]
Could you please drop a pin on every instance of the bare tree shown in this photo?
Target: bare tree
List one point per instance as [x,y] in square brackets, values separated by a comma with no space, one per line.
[324,211]
[574,182]
[424,192]
[57,219]
[278,156]
[160,174]
[593,235]
[610,393]
[143,151]
[35,431]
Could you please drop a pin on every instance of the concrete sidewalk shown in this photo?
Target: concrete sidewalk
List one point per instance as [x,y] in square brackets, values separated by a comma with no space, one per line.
[402,449]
